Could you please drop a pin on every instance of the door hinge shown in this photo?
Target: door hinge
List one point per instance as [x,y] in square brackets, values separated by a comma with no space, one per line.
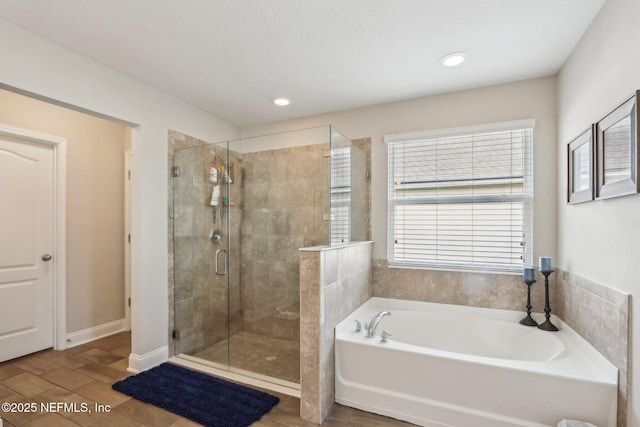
[129,301]
[175,171]
[129,175]
[128,238]
[175,334]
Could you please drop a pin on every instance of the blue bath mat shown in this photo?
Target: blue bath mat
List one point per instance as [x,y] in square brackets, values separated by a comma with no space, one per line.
[202,398]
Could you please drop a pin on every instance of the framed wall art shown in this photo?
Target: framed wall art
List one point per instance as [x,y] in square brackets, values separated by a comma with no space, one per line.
[616,137]
[580,158]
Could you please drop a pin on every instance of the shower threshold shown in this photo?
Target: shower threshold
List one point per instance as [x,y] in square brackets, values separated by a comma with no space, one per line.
[239,375]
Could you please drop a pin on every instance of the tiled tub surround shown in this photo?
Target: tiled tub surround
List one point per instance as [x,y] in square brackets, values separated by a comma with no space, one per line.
[598,313]
[442,360]
[334,281]
[601,316]
[489,290]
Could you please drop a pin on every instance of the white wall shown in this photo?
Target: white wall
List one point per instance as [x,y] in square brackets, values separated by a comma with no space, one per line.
[95,205]
[535,98]
[36,65]
[600,240]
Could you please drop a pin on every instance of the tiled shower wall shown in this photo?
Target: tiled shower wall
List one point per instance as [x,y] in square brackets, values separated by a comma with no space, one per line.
[278,198]
[286,193]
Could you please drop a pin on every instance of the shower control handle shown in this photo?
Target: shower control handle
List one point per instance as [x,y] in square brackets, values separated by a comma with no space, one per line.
[223,272]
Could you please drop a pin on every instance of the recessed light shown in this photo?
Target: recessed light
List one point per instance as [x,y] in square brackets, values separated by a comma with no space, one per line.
[281,102]
[453,59]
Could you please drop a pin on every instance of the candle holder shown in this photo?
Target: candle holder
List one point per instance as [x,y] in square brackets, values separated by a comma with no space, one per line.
[528,320]
[547,325]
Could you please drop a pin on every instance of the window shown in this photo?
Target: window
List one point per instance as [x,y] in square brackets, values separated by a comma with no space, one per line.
[340,183]
[462,198]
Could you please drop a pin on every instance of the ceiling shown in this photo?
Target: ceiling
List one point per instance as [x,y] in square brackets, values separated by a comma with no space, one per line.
[233,57]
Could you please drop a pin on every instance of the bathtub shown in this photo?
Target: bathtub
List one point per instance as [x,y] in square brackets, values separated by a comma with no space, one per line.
[447,365]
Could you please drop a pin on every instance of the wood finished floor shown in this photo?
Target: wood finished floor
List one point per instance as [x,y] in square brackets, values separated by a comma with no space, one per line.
[84,375]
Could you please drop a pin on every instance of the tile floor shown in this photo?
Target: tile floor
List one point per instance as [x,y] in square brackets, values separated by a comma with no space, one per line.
[83,375]
[261,354]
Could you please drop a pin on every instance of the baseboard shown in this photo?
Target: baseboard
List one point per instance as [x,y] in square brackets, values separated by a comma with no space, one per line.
[95,332]
[139,363]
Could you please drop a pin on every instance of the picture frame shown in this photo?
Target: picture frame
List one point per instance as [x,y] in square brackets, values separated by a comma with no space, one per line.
[616,139]
[580,168]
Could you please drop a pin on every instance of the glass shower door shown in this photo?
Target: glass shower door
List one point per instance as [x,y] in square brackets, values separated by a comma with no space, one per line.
[239,224]
[201,253]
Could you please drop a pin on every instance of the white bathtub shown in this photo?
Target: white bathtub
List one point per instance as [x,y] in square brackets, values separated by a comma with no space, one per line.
[447,365]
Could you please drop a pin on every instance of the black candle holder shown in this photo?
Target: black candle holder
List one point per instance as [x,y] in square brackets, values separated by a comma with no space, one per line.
[547,325]
[528,320]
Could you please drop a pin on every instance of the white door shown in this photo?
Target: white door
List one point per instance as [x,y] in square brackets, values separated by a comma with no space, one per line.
[26,245]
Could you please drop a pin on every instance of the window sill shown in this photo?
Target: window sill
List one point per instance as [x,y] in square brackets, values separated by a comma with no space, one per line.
[460,269]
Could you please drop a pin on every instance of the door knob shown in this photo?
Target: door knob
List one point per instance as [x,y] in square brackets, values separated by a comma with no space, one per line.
[46,257]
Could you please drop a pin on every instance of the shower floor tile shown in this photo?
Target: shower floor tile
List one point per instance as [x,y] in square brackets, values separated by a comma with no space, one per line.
[273,357]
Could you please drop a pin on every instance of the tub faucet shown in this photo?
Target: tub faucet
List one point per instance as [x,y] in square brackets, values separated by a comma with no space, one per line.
[371,328]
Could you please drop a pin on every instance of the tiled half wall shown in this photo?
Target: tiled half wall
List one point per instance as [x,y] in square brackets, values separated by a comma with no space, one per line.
[334,281]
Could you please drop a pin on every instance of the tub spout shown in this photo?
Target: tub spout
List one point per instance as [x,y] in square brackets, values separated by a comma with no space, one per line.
[371,328]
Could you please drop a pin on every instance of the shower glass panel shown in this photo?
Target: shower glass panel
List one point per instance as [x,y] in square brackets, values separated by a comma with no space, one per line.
[349,191]
[284,187]
[274,198]
[201,253]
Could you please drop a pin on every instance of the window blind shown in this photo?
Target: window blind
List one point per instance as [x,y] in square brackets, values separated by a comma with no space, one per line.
[461,201]
[340,179]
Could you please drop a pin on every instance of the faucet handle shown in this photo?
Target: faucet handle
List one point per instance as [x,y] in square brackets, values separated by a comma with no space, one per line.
[384,336]
[358,326]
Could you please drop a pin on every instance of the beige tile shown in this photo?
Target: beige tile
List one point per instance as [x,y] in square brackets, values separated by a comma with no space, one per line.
[120,365]
[60,395]
[67,378]
[102,419]
[5,391]
[77,349]
[51,420]
[102,393]
[183,422]
[356,418]
[28,384]
[98,356]
[329,267]
[124,350]
[9,369]
[113,341]
[146,414]
[23,417]
[35,365]
[61,358]
[103,373]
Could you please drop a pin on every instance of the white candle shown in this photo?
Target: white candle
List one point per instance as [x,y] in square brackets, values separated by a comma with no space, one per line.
[528,274]
[545,263]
